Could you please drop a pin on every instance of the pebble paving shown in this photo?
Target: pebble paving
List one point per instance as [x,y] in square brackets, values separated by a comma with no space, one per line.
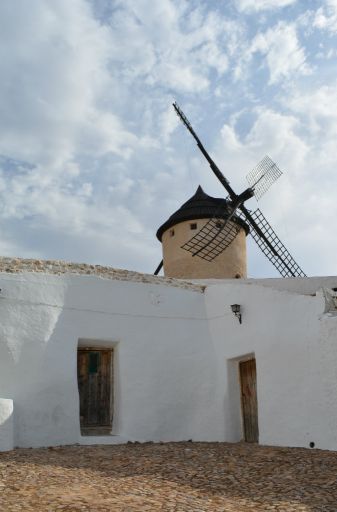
[170,477]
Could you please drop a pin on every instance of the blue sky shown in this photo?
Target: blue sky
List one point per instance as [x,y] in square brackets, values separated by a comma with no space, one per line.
[93,158]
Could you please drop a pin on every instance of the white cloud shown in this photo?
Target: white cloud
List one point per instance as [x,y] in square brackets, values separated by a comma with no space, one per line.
[70,82]
[87,104]
[55,100]
[316,103]
[170,44]
[260,5]
[315,109]
[326,16]
[92,157]
[271,133]
[301,206]
[169,121]
[54,61]
[283,53]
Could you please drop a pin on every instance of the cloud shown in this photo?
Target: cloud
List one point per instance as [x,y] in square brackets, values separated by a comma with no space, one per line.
[283,53]
[326,16]
[169,43]
[56,121]
[316,104]
[273,133]
[260,5]
[54,62]
[92,155]
[301,205]
[86,112]
[279,136]
[313,107]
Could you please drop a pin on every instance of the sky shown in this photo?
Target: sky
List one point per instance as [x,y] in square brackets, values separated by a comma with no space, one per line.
[93,158]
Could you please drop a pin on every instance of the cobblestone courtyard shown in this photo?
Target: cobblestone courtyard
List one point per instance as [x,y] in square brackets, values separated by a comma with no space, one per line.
[168,477]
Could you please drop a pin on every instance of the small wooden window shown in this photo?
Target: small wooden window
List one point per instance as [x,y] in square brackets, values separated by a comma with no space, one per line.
[93,362]
[193,225]
[171,232]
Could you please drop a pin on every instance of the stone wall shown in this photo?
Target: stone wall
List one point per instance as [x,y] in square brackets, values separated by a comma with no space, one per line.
[58,267]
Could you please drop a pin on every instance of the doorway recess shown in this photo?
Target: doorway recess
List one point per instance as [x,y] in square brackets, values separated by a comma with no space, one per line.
[95,385]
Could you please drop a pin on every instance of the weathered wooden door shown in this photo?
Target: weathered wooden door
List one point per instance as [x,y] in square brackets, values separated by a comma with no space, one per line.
[94,385]
[249,400]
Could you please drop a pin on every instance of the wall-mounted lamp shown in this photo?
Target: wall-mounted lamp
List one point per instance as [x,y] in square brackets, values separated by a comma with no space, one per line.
[236,308]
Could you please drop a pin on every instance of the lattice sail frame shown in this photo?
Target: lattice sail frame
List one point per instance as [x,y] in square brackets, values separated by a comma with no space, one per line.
[213,238]
[260,180]
[262,177]
[287,266]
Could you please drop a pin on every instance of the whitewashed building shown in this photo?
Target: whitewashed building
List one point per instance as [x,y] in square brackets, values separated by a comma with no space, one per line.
[94,355]
[175,352]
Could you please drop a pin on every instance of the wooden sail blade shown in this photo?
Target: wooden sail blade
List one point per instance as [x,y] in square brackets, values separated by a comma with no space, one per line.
[212,239]
[270,244]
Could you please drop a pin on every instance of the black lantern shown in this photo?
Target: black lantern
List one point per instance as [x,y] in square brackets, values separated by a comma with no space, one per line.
[236,308]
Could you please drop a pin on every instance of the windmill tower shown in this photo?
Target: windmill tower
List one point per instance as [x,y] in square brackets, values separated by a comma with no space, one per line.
[185,223]
[226,222]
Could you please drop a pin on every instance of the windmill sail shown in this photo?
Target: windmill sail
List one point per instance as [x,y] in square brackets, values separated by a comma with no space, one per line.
[212,164]
[261,178]
[214,238]
[271,246]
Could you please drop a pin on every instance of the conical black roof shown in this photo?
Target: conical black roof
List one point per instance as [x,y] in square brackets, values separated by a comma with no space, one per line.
[200,206]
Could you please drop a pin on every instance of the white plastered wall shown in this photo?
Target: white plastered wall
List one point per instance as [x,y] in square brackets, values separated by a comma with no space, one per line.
[176,355]
[161,337]
[6,425]
[295,346]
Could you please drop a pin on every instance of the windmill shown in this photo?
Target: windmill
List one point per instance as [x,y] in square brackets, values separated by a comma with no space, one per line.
[216,235]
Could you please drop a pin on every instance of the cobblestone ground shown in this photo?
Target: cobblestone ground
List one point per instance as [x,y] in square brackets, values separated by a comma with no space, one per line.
[168,477]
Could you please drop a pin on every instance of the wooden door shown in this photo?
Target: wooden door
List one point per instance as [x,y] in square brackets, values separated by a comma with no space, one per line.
[249,400]
[94,385]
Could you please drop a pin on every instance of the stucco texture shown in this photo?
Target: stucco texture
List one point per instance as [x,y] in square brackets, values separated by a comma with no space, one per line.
[181,264]
[176,356]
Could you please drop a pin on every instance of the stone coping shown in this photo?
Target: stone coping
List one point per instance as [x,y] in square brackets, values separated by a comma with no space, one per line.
[58,267]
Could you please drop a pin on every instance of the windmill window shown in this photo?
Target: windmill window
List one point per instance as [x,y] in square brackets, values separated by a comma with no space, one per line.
[171,232]
[193,225]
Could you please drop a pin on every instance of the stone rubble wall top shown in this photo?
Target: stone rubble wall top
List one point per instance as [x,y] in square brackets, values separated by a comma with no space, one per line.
[58,267]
